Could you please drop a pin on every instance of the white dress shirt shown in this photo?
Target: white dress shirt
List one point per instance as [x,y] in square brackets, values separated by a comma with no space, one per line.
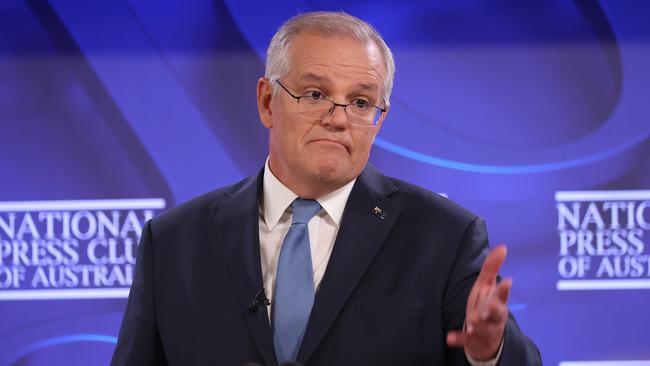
[275,221]
[275,214]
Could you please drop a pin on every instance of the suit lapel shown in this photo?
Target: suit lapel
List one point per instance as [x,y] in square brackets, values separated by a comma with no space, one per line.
[368,217]
[237,224]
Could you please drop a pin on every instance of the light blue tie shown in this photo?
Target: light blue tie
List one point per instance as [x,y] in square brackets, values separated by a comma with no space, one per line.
[294,284]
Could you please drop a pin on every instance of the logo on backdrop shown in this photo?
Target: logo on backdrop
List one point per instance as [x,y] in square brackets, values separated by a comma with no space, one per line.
[603,237]
[70,249]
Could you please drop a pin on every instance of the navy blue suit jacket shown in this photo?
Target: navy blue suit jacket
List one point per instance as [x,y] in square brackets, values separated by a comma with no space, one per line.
[393,288]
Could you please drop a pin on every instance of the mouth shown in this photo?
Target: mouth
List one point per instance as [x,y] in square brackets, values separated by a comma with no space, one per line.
[329,144]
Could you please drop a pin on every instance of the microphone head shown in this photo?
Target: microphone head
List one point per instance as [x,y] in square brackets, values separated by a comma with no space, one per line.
[290,363]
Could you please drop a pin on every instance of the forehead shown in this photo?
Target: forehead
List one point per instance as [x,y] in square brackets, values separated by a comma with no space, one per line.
[319,58]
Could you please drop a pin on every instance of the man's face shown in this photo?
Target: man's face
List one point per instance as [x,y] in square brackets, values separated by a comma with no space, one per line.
[315,157]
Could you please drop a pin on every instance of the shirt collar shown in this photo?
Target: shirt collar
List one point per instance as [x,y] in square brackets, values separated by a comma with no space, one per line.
[277,197]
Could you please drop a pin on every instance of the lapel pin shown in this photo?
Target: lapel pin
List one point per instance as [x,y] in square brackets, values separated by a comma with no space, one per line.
[379,212]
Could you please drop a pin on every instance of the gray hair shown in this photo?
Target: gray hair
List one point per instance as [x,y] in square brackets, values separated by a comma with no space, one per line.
[338,24]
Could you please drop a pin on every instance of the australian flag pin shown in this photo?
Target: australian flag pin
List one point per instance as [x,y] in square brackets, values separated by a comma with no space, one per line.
[379,212]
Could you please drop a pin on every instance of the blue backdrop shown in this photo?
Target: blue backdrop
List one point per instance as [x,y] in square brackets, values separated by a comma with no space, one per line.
[534,115]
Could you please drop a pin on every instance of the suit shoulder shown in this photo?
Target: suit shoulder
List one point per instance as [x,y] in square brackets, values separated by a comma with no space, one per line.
[197,208]
[413,197]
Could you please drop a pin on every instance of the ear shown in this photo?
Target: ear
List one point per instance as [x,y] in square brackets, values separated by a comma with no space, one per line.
[264,93]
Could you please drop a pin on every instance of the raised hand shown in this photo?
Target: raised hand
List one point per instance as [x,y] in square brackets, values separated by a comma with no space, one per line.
[487,311]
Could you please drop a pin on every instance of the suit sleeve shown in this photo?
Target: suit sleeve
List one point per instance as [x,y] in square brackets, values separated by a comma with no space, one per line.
[139,341]
[473,249]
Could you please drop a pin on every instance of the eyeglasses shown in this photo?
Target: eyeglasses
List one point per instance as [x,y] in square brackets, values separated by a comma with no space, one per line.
[315,105]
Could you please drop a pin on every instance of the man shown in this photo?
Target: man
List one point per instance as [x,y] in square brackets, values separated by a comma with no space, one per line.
[360,269]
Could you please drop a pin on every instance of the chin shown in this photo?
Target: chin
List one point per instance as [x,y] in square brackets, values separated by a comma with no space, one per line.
[335,172]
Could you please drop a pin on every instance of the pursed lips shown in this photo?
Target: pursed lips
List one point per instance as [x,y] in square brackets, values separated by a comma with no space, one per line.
[329,141]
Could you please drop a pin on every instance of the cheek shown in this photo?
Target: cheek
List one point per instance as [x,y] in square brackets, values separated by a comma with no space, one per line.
[363,145]
[289,136]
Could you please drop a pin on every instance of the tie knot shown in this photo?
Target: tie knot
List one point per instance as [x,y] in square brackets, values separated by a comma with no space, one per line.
[304,210]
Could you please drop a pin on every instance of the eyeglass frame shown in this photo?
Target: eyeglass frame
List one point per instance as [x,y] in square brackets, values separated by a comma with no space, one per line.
[334,105]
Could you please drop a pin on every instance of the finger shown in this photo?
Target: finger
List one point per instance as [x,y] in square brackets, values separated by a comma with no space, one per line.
[503,290]
[498,296]
[495,308]
[496,312]
[492,265]
[471,322]
[485,303]
[480,292]
[477,310]
[475,296]
[482,284]
[456,339]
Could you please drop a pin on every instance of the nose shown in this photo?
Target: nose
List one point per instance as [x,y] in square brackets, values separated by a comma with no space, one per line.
[336,116]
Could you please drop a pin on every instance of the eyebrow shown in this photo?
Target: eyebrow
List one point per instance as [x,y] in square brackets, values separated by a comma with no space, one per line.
[369,87]
[313,77]
[317,78]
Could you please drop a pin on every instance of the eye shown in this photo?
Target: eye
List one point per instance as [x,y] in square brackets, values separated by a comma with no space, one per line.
[360,103]
[314,95]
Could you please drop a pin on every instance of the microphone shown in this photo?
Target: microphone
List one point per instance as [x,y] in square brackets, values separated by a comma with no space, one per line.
[259,300]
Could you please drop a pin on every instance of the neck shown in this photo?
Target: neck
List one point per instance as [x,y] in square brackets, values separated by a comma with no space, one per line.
[308,188]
